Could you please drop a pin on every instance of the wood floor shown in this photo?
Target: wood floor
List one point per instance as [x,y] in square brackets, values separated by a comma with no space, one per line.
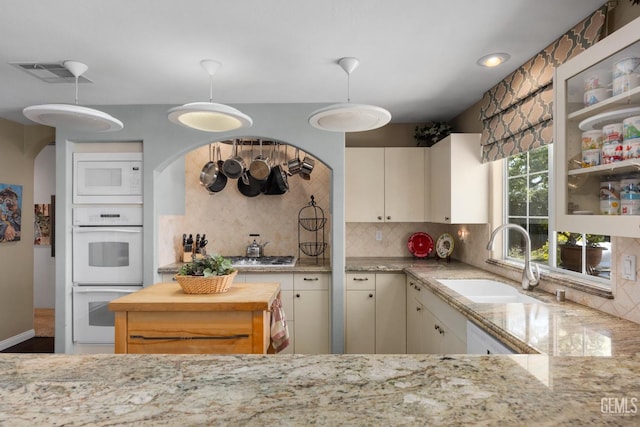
[33,345]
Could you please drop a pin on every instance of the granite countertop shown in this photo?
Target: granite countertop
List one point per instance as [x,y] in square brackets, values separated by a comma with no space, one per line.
[302,266]
[553,328]
[186,390]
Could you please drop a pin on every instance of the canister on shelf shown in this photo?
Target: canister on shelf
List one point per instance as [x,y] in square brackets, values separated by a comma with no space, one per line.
[592,140]
[591,157]
[609,196]
[631,149]
[630,195]
[631,128]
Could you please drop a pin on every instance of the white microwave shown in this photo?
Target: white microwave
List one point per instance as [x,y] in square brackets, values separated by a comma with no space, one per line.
[107,178]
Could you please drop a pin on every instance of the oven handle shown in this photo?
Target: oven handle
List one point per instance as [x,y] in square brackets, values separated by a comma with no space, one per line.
[107,229]
[101,290]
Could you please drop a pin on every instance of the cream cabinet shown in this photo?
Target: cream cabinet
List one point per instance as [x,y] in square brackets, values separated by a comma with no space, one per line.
[433,327]
[577,189]
[458,181]
[375,318]
[385,184]
[311,313]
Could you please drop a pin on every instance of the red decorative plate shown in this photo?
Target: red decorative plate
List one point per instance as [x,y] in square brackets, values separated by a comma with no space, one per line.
[420,244]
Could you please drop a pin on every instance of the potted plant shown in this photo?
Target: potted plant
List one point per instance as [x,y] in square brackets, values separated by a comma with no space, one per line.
[210,274]
[431,132]
[571,252]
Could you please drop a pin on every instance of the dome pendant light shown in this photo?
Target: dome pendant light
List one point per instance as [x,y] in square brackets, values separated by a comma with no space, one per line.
[209,116]
[347,117]
[75,117]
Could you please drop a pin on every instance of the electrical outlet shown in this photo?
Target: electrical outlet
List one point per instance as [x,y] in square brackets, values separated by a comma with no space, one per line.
[629,267]
[378,235]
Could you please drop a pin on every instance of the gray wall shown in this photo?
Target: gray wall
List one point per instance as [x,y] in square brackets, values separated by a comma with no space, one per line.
[163,143]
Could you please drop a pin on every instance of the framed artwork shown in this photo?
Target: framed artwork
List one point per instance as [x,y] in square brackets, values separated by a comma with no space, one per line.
[10,212]
[42,224]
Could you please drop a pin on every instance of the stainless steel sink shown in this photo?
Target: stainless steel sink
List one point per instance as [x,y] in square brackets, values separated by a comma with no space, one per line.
[265,261]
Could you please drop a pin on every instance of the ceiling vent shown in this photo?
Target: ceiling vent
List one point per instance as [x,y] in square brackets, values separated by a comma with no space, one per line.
[53,72]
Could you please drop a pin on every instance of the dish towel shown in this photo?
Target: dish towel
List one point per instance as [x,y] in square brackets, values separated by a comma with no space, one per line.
[279,329]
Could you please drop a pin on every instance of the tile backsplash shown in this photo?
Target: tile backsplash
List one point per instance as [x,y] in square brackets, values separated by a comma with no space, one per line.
[228,217]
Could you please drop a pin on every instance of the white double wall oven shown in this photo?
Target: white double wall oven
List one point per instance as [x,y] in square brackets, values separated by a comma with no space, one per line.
[107,240]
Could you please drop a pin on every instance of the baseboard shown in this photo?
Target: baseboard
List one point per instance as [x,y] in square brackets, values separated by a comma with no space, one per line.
[17,339]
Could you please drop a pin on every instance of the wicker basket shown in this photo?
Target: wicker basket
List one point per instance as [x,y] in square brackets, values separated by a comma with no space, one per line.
[206,285]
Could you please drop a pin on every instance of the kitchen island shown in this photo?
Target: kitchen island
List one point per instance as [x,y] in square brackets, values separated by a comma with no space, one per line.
[186,390]
[163,319]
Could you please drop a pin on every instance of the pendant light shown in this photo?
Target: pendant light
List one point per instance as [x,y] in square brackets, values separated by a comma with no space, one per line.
[74,117]
[209,116]
[347,117]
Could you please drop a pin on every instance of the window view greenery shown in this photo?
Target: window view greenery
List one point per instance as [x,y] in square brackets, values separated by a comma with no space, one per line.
[527,204]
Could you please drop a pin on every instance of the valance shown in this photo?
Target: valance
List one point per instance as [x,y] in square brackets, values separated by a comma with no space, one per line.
[519,108]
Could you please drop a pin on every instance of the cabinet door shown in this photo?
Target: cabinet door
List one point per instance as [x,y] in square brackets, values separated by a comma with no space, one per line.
[360,322]
[311,313]
[432,330]
[459,181]
[364,181]
[440,181]
[415,329]
[168,277]
[391,314]
[404,184]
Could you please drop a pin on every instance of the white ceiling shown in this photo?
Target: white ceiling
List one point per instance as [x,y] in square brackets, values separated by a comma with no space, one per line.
[417,57]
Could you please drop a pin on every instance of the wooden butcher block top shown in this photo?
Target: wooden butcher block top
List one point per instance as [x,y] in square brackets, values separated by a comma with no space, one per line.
[170,297]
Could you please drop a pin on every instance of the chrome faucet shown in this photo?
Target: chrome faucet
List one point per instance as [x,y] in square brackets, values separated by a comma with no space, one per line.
[530,278]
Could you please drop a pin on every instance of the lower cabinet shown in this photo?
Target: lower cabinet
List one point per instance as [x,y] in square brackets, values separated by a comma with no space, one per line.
[375,313]
[433,327]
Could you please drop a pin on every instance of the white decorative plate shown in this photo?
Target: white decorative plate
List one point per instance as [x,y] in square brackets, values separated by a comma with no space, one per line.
[444,245]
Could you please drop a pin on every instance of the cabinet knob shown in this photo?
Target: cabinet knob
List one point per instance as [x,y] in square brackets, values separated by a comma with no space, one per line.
[370,295]
[446,218]
[297,295]
[418,309]
[379,218]
[436,327]
[311,279]
[388,217]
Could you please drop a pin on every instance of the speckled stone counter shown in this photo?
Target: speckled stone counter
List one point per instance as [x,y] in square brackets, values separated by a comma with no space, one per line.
[553,328]
[371,390]
[302,266]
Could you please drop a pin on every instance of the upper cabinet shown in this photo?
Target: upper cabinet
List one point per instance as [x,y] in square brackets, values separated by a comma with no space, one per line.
[458,181]
[596,123]
[385,184]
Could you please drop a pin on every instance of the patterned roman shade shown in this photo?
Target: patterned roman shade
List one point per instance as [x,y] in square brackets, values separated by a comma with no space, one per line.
[517,113]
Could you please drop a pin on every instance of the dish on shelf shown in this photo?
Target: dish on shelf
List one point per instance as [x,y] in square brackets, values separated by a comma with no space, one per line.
[444,245]
[420,244]
[599,120]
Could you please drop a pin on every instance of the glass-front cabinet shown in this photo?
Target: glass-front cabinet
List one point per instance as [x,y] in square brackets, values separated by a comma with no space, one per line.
[597,137]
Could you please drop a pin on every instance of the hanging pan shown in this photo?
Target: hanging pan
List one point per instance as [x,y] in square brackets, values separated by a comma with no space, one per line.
[250,186]
[221,180]
[277,181]
[234,166]
[259,167]
[209,171]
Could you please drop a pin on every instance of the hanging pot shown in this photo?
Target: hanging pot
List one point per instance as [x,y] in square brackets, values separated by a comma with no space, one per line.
[249,186]
[221,180]
[234,166]
[209,171]
[294,164]
[277,182]
[307,167]
[259,167]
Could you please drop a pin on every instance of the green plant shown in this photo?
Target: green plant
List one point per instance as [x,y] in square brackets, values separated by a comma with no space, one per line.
[431,132]
[211,265]
[572,239]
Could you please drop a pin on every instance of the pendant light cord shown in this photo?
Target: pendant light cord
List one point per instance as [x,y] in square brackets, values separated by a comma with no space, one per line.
[348,87]
[211,88]
[76,78]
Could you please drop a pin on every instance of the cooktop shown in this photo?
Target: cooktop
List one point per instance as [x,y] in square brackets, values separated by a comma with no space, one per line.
[265,261]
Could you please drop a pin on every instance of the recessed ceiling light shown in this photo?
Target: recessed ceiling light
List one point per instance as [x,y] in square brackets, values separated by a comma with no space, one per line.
[493,59]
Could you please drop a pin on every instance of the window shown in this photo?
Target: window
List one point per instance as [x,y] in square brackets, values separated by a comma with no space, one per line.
[527,204]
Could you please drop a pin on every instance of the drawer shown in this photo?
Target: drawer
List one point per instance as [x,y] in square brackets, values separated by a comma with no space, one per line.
[285,279]
[190,332]
[311,281]
[361,281]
